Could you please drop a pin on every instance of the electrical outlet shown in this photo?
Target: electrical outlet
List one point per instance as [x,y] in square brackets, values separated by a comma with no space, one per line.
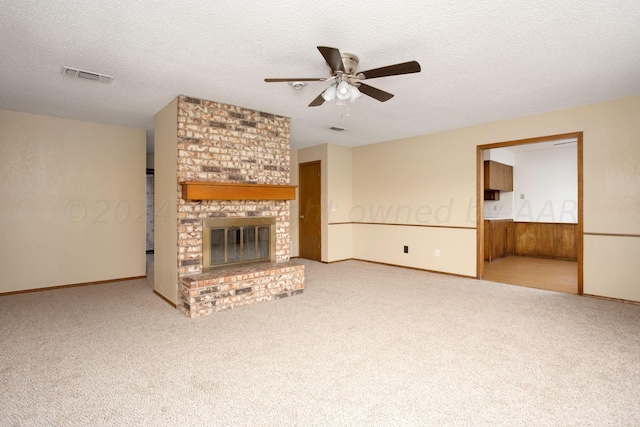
[437,252]
[406,249]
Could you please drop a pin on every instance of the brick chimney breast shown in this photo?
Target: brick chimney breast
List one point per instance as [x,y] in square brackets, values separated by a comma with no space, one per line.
[229,144]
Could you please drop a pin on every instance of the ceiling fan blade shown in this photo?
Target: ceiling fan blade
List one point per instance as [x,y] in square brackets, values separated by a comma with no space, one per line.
[318,101]
[392,70]
[373,92]
[333,58]
[319,79]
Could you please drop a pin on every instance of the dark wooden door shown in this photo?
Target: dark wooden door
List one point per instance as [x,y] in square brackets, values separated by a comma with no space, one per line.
[310,212]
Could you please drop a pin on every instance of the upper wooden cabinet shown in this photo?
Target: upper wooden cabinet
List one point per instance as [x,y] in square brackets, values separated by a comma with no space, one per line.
[498,176]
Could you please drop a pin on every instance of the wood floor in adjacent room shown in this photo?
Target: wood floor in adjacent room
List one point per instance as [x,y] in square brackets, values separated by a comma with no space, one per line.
[541,273]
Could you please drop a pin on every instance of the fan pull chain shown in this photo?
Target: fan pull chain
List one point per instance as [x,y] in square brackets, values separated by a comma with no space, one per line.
[344,116]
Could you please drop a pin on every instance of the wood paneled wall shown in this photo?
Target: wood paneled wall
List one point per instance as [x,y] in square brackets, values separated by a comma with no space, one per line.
[546,240]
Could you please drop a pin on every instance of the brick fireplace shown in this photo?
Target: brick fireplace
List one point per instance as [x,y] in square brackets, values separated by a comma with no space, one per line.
[232,163]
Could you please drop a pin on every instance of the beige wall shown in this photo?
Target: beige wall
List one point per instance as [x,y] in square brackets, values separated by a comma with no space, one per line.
[340,201]
[384,243]
[165,280]
[422,183]
[611,266]
[73,202]
[428,184]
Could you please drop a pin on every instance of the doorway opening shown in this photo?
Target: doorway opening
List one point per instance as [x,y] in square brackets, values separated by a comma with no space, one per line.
[528,239]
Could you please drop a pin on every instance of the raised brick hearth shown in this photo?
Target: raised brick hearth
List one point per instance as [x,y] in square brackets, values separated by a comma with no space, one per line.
[222,143]
[219,290]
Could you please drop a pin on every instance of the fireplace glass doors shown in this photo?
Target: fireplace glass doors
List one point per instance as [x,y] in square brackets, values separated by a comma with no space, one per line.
[232,241]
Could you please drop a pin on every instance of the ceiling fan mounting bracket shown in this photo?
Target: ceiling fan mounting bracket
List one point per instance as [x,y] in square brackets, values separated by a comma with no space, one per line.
[350,62]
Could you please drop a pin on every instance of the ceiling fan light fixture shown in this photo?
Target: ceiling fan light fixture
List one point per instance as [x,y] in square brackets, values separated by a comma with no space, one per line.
[354,94]
[329,94]
[343,91]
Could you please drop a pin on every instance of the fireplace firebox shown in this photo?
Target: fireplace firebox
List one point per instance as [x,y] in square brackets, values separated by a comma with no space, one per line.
[235,241]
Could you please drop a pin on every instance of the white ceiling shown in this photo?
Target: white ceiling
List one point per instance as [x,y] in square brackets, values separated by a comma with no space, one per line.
[481,61]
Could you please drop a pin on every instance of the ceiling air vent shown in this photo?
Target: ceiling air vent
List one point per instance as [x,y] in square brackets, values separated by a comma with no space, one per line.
[337,129]
[87,75]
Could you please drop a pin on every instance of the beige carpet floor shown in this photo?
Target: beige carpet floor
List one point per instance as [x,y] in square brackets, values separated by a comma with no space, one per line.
[366,344]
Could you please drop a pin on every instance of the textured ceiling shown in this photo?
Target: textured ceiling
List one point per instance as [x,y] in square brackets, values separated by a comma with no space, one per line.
[481,61]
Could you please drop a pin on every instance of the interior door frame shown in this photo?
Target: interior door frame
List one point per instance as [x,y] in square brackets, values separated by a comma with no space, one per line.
[480,197]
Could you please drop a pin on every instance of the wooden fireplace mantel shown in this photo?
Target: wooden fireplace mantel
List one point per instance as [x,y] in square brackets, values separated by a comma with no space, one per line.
[236,191]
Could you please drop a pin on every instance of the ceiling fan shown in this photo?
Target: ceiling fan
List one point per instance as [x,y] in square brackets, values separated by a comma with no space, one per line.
[348,84]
